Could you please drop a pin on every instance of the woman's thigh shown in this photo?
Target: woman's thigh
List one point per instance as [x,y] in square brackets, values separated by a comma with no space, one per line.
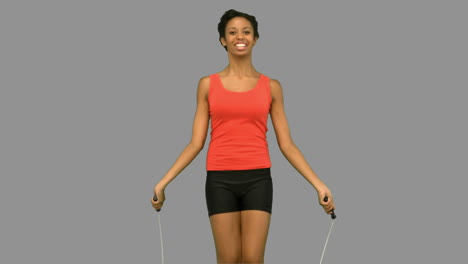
[226,229]
[239,206]
[254,229]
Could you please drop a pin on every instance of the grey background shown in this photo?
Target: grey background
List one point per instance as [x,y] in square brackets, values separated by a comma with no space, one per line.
[98,97]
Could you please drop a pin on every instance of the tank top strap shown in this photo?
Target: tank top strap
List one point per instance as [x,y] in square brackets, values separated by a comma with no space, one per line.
[214,80]
[266,81]
[266,86]
[214,85]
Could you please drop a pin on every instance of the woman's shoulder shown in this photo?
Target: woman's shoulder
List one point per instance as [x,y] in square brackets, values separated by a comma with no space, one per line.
[204,86]
[271,79]
[204,80]
[274,83]
[276,90]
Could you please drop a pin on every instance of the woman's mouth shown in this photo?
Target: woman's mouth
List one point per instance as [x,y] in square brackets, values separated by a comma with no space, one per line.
[241,46]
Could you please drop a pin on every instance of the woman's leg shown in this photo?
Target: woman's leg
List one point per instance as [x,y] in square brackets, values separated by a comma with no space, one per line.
[254,229]
[226,229]
[239,204]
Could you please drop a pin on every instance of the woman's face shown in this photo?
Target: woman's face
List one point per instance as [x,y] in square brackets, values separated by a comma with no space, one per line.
[239,38]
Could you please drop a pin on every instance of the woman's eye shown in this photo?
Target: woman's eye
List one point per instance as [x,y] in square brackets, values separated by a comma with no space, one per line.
[247,32]
[232,33]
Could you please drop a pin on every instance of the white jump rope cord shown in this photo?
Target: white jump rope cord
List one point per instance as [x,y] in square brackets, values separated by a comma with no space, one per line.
[326,242]
[160,234]
[155,198]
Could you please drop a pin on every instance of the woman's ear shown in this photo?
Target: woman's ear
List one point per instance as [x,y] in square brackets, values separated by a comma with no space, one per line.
[223,41]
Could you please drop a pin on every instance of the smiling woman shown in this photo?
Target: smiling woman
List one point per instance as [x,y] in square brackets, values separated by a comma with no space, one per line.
[239,36]
[251,27]
[239,187]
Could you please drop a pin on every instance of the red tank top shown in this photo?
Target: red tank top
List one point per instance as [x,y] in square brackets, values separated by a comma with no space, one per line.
[238,126]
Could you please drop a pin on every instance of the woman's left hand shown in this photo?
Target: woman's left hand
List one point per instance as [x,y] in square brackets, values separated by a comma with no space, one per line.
[322,192]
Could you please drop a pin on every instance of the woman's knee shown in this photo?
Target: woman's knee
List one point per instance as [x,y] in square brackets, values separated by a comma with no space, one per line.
[229,258]
[252,259]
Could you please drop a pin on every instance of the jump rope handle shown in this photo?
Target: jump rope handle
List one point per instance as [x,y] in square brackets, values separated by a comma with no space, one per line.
[333,215]
[155,198]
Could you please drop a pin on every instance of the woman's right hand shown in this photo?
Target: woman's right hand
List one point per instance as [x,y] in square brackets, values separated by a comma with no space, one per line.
[159,192]
[322,192]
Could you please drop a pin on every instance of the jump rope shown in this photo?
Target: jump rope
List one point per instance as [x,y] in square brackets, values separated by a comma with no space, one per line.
[333,216]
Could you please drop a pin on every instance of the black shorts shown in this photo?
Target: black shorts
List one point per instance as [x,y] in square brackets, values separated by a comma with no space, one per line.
[237,190]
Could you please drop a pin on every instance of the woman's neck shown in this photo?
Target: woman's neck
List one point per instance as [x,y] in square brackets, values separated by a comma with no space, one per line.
[240,66]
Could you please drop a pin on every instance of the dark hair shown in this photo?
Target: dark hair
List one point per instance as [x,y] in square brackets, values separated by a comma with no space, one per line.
[230,14]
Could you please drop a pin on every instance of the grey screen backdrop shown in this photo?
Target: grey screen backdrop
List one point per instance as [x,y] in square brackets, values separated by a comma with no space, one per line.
[98,98]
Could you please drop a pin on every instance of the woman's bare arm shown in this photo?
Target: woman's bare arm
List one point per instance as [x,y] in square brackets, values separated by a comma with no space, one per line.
[199,132]
[289,149]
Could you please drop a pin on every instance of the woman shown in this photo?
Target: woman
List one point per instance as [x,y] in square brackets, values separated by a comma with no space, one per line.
[238,186]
